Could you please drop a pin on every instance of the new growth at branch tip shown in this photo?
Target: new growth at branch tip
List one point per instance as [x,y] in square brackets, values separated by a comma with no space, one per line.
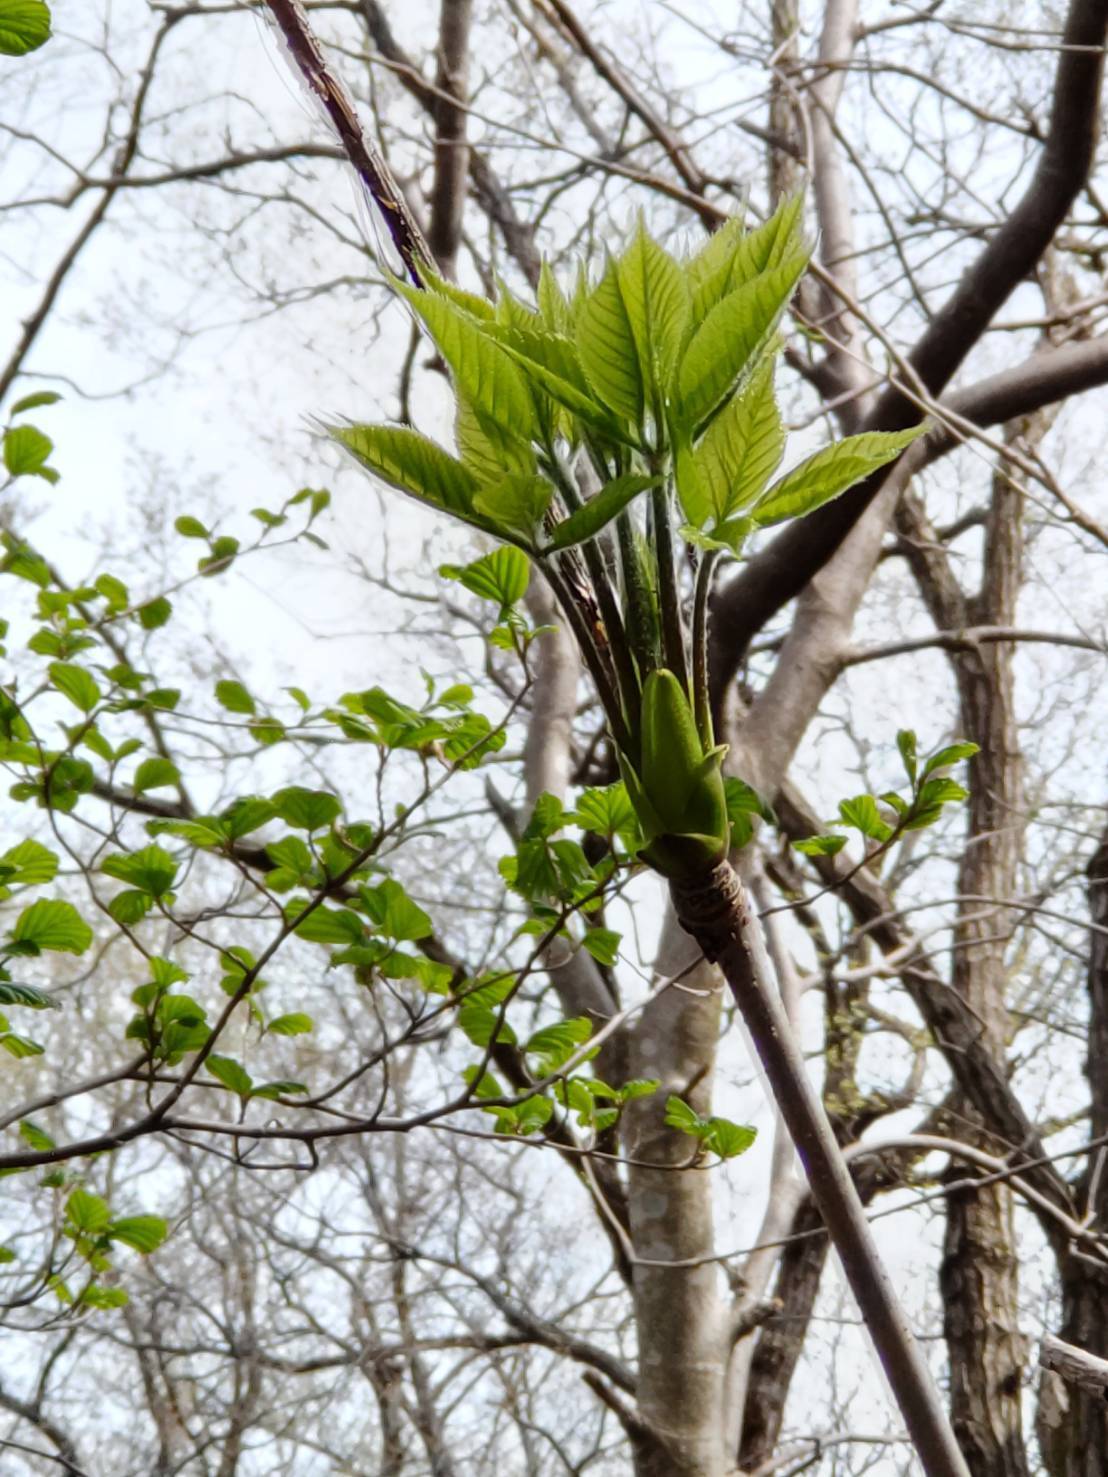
[599,432]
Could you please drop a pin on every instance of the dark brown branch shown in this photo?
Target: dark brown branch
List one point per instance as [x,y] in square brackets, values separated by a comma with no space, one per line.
[363,155]
[776,575]
[955,1028]
[716,912]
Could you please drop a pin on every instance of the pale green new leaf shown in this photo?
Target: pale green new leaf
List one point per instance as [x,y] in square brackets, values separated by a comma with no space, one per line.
[709,269]
[742,447]
[53,924]
[552,365]
[28,864]
[606,346]
[593,516]
[142,1233]
[729,337]
[415,465]
[515,503]
[482,371]
[829,473]
[553,307]
[487,449]
[733,257]
[771,244]
[656,297]
[469,302]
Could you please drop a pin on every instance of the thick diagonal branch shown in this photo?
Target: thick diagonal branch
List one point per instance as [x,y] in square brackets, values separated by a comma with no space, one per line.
[715,911]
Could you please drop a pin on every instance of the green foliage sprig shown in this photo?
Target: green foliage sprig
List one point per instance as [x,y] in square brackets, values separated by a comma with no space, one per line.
[624,438]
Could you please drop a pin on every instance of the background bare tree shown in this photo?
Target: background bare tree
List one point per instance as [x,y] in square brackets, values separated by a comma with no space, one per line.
[428,1301]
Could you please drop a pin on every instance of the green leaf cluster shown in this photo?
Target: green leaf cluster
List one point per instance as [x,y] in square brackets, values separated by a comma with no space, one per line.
[881,820]
[593,432]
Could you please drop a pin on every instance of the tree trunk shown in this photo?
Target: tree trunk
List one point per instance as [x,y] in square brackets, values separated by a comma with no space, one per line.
[679,1311]
[1073,1422]
[979,1274]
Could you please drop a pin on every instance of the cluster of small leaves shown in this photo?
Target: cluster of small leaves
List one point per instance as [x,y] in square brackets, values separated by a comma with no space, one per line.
[882,819]
[24,449]
[48,925]
[222,548]
[93,1231]
[595,1105]
[718,1136]
[661,368]
[642,404]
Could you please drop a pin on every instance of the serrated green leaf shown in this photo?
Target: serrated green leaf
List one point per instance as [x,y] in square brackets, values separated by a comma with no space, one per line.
[75,683]
[829,473]
[481,370]
[607,349]
[740,451]
[306,810]
[727,341]
[415,465]
[607,811]
[143,1233]
[595,514]
[155,773]
[294,1024]
[656,298]
[87,1213]
[53,924]
[231,1073]
[234,697]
